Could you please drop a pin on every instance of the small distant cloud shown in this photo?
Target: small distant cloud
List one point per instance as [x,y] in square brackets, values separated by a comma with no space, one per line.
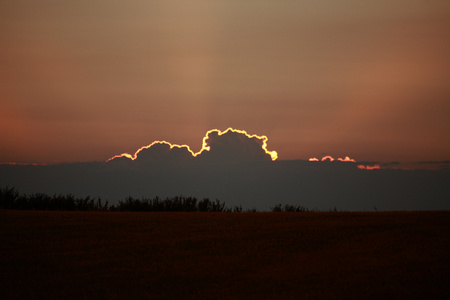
[369,167]
[346,159]
[327,158]
[361,165]
[330,158]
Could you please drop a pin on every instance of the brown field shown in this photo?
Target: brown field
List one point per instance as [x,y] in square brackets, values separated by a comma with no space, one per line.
[124,255]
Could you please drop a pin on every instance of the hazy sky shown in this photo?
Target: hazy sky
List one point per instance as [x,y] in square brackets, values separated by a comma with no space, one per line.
[85,80]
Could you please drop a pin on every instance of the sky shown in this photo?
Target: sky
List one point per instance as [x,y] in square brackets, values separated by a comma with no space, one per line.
[83,81]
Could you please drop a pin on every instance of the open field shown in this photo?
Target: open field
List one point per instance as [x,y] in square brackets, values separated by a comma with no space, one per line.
[124,255]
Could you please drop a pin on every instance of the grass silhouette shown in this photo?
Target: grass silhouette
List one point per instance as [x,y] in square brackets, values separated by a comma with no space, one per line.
[11,199]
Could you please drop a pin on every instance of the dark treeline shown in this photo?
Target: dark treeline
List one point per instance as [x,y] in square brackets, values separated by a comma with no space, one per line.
[292,208]
[11,199]
[184,204]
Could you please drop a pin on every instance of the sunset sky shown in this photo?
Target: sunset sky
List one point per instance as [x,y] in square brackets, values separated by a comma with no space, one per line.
[86,80]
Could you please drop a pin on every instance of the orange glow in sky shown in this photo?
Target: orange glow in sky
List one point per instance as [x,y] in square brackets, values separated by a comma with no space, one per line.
[327,158]
[369,167]
[346,159]
[330,158]
[21,164]
[205,147]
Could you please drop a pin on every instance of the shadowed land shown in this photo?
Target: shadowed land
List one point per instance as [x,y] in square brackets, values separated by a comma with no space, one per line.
[118,255]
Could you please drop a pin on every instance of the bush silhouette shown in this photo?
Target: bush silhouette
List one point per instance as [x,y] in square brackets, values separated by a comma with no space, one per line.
[177,203]
[8,196]
[10,199]
[289,208]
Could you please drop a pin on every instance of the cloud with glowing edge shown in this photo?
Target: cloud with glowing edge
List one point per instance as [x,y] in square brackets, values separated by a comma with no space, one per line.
[205,147]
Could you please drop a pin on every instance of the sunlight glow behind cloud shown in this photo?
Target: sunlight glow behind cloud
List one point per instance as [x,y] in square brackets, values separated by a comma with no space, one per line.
[205,144]
[330,158]
[346,159]
[369,167]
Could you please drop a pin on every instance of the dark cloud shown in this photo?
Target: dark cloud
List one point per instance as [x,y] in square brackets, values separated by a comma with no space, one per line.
[442,162]
[163,152]
[156,153]
[253,185]
[228,146]
[392,163]
[119,160]
[234,146]
[434,165]
[238,169]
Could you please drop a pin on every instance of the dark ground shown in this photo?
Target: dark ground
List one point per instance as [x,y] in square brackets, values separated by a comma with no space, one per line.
[124,255]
